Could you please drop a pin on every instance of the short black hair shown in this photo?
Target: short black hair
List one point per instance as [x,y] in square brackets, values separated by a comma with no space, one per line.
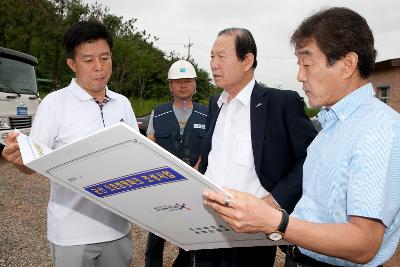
[244,43]
[338,31]
[82,32]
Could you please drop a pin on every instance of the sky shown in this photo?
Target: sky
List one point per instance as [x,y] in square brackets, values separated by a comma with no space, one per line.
[270,22]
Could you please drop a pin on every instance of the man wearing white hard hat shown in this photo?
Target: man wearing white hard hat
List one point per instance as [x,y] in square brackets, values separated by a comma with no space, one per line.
[179,127]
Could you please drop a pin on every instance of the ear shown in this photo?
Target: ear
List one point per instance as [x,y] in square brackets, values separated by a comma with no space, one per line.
[71,64]
[248,61]
[350,62]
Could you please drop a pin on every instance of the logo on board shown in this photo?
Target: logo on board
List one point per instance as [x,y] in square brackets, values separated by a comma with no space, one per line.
[170,208]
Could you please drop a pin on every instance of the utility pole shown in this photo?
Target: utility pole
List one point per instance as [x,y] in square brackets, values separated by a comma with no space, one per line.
[188,47]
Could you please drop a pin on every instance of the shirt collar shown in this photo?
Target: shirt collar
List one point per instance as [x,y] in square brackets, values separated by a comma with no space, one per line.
[81,93]
[111,94]
[346,106]
[243,96]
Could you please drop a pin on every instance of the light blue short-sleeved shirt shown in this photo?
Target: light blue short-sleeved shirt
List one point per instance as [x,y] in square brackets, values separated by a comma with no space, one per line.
[353,169]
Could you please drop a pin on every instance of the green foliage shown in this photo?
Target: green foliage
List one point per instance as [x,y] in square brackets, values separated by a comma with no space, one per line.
[145,106]
[311,112]
[42,94]
[140,69]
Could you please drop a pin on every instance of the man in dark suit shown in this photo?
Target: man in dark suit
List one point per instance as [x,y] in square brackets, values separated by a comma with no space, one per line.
[256,142]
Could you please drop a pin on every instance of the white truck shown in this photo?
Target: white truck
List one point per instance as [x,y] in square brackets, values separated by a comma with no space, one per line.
[19,97]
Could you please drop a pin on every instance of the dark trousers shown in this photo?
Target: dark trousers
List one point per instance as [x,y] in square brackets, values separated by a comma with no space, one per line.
[155,250]
[290,262]
[295,258]
[236,257]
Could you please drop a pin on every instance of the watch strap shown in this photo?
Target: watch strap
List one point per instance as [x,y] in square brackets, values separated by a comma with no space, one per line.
[284,221]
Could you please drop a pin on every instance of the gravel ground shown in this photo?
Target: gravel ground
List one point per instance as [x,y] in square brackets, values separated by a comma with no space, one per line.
[23,242]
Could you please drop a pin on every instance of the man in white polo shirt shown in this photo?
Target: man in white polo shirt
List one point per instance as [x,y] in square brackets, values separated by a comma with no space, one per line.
[81,233]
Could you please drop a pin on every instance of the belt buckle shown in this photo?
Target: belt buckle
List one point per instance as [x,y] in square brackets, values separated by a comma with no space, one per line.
[293,249]
[292,252]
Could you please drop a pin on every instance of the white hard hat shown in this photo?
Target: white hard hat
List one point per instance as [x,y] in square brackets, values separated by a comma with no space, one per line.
[181,69]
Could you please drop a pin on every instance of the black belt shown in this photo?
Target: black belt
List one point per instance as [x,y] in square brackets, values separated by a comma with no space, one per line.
[295,254]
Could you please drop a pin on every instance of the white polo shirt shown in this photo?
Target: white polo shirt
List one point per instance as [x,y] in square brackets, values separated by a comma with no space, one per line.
[231,160]
[65,116]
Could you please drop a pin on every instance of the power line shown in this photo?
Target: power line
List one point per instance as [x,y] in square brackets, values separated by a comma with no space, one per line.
[188,47]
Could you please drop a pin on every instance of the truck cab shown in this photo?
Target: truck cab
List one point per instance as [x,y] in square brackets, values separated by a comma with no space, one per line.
[19,97]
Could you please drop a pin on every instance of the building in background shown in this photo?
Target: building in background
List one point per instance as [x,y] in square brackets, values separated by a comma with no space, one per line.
[386,82]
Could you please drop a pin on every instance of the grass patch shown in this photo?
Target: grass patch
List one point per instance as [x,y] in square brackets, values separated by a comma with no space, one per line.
[145,106]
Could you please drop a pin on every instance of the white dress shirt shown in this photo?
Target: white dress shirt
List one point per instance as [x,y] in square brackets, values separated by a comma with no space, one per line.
[231,160]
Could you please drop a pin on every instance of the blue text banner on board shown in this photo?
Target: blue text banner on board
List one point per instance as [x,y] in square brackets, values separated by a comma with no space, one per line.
[135,181]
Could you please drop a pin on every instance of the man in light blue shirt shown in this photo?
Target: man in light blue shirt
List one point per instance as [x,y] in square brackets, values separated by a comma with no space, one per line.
[352,169]
[349,213]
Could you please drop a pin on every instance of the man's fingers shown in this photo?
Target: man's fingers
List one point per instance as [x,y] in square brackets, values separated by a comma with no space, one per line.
[218,208]
[226,213]
[231,191]
[12,154]
[215,197]
[11,137]
[12,148]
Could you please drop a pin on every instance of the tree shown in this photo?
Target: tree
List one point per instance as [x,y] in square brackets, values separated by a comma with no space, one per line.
[140,69]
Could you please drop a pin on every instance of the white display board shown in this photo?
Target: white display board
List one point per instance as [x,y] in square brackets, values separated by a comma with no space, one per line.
[125,172]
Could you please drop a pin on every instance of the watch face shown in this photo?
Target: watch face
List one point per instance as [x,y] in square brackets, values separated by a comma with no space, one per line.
[275,236]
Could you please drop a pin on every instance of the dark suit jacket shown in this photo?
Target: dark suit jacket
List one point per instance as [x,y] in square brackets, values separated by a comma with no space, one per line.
[280,133]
